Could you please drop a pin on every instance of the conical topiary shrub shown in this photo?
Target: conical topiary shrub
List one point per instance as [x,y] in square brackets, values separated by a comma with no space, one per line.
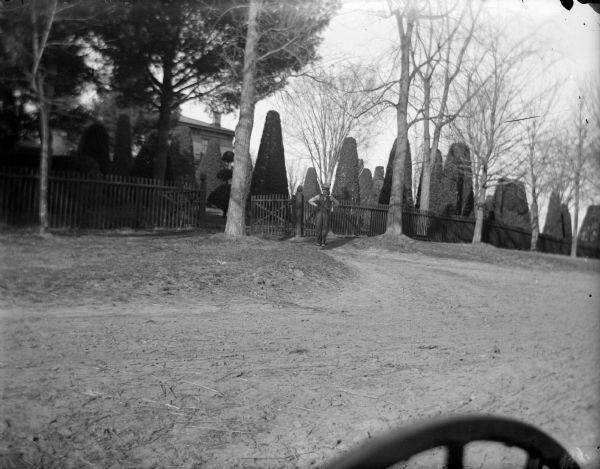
[365,182]
[310,188]
[143,162]
[457,181]
[589,233]
[95,143]
[122,156]
[510,204]
[436,189]
[565,217]
[180,158]
[210,165]
[378,178]
[269,175]
[553,224]
[346,188]
[386,190]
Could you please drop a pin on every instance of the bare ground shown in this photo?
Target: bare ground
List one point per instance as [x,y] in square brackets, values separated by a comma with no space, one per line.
[195,351]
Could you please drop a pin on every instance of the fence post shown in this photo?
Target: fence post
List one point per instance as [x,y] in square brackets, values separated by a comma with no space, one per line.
[298,210]
[202,207]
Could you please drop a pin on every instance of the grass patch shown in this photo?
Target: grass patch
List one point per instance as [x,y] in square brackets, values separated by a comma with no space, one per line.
[481,252]
[72,269]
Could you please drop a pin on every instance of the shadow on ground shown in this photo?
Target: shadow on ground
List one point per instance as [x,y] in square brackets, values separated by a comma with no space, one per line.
[336,243]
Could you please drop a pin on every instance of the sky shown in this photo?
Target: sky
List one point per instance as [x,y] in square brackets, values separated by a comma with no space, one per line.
[357,33]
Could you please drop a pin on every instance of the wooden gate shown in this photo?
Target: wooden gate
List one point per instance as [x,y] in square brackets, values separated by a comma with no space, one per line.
[272,215]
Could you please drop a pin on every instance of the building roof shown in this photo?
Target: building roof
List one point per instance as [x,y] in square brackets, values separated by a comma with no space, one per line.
[195,123]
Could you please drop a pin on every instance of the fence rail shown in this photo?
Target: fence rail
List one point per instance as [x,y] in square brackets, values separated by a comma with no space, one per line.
[99,201]
[358,220]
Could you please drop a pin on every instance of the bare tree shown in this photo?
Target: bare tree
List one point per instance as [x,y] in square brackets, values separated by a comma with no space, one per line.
[406,15]
[536,144]
[395,90]
[488,122]
[295,174]
[31,42]
[322,109]
[583,156]
[288,31]
[442,46]
[242,170]
[557,166]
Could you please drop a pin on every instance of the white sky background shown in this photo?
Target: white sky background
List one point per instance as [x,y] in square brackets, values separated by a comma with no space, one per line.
[357,34]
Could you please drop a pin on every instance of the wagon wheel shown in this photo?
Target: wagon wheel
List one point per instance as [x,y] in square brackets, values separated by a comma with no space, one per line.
[454,433]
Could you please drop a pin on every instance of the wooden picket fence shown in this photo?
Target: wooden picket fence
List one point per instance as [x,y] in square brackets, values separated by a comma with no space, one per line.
[283,216]
[272,215]
[96,201]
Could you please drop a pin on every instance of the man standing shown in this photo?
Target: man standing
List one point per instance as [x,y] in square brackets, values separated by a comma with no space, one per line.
[324,203]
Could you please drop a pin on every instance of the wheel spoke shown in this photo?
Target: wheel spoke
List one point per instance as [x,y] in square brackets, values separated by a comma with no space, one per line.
[533,462]
[454,457]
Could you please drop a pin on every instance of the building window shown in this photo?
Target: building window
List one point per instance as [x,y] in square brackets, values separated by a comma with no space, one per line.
[199,149]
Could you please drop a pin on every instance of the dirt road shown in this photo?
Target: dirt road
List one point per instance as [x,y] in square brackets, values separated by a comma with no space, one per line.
[291,381]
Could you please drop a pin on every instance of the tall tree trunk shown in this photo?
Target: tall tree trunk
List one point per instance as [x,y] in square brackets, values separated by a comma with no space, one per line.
[427,150]
[164,118]
[575,216]
[578,175]
[535,215]
[394,219]
[44,157]
[39,39]
[535,222]
[480,208]
[236,222]
[159,168]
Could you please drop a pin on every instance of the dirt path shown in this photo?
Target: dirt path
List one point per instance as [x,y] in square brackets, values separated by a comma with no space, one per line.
[237,382]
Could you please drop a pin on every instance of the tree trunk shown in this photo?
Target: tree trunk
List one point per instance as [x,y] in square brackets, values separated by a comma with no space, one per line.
[44,159]
[164,118]
[575,217]
[242,168]
[394,219]
[159,167]
[535,216]
[577,180]
[479,210]
[535,222]
[427,151]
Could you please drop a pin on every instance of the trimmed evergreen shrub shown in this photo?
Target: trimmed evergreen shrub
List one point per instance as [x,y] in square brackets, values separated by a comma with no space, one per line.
[386,190]
[95,143]
[228,157]
[589,233]
[365,182]
[210,164]
[510,204]
[488,210]
[225,174]
[346,188]
[565,216]
[311,184]
[180,158]
[219,198]
[144,161]
[436,189]
[122,157]
[269,175]
[75,164]
[378,177]
[553,224]
[457,182]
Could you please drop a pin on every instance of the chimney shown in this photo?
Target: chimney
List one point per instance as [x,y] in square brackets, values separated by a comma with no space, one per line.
[216,118]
